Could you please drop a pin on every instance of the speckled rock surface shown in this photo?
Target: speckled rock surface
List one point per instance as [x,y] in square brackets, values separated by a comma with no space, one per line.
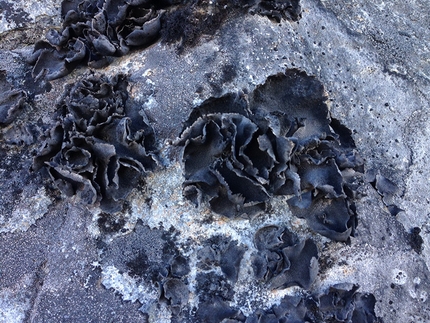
[156,259]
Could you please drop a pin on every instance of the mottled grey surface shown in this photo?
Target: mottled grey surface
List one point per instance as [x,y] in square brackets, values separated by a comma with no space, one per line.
[374,61]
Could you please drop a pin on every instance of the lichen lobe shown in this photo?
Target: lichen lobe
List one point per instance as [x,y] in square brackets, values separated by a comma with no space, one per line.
[12,101]
[283,260]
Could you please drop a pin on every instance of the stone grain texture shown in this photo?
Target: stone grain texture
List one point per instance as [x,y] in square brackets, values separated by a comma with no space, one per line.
[62,262]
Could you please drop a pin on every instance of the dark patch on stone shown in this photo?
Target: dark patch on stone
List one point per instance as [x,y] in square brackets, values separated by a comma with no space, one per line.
[212,285]
[16,182]
[187,24]
[144,253]
[198,19]
[140,253]
[241,150]
[109,223]
[179,266]
[229,73]
[224,253]
[282,260]
[12,101]
[152,257]
[217,79]
[139,266]
[100,146]
[278,9]
[394,209]
[415,240]
[21,134]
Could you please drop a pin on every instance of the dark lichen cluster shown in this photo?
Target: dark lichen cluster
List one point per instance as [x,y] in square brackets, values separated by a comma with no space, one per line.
[240,150]
[341,303]
[101,145]
[220,160]
[290,309]
[279,260]
[175,288]
[282,260]
[216,290]
[95,31]
[224,253]
[152,255]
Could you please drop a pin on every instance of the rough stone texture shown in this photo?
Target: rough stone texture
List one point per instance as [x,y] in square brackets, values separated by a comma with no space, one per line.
[373,59]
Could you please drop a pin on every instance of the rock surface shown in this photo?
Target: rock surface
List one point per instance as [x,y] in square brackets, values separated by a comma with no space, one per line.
[161,257]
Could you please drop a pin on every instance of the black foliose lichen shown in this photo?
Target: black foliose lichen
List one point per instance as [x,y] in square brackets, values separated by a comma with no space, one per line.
[152,256]
[12,101]
[216,289]
[95,31]
[215,160]
[224,253]
[291,309]
[217,310]
[241,150]
[341,304]
[385,187]
[100,146]
[282,260]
